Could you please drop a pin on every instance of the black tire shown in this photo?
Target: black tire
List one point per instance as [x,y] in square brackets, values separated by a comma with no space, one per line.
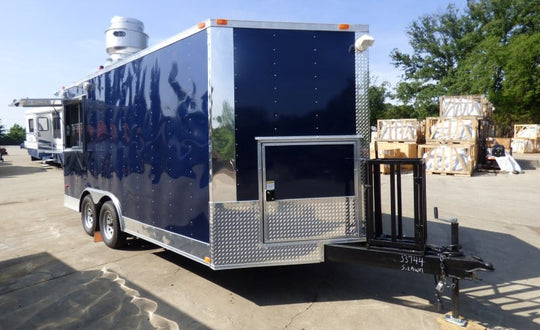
[89,216]
[110,226]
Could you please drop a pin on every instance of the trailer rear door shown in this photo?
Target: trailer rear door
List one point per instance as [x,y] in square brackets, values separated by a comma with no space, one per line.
[309,188]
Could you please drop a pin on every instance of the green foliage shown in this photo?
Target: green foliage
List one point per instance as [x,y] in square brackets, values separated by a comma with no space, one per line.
[2,130]
[438,47]
[223,135]
[377,94]
[376,98]
[492,49]
[15,136]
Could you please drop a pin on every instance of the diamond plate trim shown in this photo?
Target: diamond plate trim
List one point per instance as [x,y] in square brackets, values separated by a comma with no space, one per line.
[236,239]
[362,116]
[362,101]
[310,219]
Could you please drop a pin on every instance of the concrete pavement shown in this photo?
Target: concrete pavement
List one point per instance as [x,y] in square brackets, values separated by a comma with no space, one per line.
[53,275]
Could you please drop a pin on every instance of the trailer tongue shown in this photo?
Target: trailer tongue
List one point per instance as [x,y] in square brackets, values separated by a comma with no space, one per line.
[397,251]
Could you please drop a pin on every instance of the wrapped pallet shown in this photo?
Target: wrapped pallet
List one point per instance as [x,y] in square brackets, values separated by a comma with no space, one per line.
[522,146]
[527,131]
[452,129]
[398,130]
[452,159]
[526,138]
[465,105]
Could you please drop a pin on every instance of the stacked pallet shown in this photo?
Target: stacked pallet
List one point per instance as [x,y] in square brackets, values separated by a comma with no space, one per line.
[454,140]
[396,138]
[526,138]
[465,105]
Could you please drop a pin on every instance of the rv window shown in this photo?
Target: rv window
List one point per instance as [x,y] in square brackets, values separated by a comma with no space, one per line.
[56,126]
[73,129]
[43,124]
[31,125]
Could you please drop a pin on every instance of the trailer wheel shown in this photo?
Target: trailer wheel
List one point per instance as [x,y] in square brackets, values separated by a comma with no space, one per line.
[89,215]
[110,227]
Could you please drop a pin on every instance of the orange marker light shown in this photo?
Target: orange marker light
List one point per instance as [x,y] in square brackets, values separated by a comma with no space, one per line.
[344,26]
[221,21]
[207,259]
[201,25]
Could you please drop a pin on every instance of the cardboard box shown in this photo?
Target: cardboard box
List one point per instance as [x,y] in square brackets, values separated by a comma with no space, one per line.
[387,150]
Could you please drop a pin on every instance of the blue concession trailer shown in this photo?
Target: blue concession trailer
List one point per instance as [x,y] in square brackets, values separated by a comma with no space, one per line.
[246,144]
[234,143]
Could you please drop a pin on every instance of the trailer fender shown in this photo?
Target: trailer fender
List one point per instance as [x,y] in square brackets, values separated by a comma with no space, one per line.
[101,196]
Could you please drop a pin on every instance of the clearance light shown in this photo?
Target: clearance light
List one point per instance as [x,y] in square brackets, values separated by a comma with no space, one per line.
[201,25]
[207,260]
[344,26]
[221,21]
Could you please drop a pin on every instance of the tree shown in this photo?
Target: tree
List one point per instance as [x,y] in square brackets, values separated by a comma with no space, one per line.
[492,49]
[2,130]
[376,97]
[17,133]
[15,136]
[379,109]
[438,47]
[506,61]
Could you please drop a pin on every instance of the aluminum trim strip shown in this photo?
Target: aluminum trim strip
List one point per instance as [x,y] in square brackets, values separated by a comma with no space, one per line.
[221,96]
[188,247]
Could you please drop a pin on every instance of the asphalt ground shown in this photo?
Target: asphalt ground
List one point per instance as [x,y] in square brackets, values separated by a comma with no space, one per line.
[54,276]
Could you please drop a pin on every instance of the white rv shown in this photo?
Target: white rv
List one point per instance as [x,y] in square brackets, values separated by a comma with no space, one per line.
[44,131]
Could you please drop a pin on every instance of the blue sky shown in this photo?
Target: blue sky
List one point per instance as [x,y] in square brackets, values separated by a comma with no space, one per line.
[47,44]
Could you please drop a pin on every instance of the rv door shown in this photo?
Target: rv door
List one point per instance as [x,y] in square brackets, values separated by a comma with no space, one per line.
[43,132]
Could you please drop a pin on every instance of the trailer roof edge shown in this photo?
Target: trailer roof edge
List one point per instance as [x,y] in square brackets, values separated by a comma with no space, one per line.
[357,28]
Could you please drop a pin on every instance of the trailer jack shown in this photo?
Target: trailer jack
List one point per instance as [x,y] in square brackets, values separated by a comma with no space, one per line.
[395,250]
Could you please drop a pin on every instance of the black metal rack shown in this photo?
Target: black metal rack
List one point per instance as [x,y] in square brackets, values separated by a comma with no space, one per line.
[390,247]
[375,234]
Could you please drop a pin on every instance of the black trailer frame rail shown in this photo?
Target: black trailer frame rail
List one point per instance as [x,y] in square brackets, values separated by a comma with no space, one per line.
[398,251]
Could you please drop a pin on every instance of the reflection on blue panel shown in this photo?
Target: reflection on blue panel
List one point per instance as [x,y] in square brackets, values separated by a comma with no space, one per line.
[147,137]
[289,83]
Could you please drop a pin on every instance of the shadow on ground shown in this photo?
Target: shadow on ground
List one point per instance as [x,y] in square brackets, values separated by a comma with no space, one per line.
[39,291]
[501,299]
[528,164]
[7,169]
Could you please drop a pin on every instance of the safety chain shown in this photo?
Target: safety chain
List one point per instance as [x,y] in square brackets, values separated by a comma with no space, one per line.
[440,282]
[442,279]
